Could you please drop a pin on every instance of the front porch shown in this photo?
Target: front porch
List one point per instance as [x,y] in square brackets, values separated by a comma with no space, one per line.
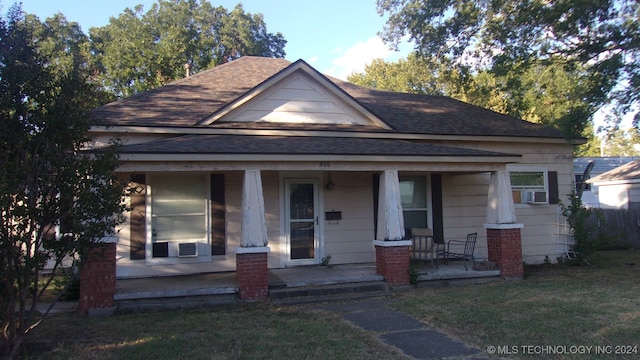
[222,288]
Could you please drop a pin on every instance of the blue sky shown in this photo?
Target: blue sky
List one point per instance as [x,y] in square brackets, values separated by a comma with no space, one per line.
[336,37]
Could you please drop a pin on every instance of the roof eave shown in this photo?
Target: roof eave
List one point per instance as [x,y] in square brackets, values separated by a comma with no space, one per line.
[216,157]
[171,130]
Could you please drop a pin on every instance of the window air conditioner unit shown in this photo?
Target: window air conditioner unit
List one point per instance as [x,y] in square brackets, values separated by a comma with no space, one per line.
[187,249]
[536,197]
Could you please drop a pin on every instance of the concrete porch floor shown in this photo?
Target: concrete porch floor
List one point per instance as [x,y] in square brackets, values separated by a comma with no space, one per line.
[452,270]
[211,284]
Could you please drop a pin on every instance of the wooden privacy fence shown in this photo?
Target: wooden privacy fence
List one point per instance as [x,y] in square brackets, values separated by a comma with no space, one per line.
[617,228]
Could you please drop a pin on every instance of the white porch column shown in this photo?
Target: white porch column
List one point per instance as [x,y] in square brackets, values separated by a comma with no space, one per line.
[254,225]
[392,252]
[504,239]
[500,208]
[252,271]
[390,218]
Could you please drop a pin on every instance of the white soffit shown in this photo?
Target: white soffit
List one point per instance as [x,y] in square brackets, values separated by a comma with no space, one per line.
[297,95]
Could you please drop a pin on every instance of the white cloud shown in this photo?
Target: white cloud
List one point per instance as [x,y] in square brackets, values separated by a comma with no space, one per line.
[356,57]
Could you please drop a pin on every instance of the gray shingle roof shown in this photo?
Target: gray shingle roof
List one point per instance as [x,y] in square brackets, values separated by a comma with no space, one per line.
[628,171]
[187,101]
[441,115]
[247,144]
[602,164]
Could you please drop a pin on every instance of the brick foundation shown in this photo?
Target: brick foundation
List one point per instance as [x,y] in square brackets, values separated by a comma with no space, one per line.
[504,246]
[392,262]
[98,279]
[252,276]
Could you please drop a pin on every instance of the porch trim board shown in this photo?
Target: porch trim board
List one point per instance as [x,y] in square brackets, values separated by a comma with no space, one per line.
[109,131]
[252,250]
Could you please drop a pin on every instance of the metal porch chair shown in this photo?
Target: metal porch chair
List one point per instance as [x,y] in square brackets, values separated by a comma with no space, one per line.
[467,253]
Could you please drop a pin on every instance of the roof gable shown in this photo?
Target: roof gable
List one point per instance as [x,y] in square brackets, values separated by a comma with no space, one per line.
[296,95]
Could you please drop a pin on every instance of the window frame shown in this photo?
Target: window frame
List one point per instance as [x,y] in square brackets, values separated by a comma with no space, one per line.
[578,179]
[523,189]
[427,193]
[203,246]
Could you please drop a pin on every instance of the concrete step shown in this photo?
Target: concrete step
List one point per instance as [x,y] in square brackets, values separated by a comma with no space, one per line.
[162,299]
[327,293]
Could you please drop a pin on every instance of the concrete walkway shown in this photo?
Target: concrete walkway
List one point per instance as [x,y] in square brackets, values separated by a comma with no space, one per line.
[413,337]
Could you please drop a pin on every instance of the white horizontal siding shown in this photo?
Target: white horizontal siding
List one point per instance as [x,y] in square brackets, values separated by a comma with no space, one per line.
[465,200]
[350,239]
[300,99]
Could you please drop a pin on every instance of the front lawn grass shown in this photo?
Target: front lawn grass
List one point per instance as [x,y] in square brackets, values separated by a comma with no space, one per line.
[555,305]
[246,331]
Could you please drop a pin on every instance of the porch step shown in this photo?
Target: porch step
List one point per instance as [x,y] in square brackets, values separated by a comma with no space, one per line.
[172,299]
[327,293]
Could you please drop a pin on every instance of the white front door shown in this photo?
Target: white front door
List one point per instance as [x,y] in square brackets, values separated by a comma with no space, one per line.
[302,221]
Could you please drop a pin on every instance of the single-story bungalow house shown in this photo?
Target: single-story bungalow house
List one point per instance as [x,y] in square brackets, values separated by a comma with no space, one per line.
[262,163]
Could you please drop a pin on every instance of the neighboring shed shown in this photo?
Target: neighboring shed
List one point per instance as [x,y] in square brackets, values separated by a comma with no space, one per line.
[619,188]
[600,166]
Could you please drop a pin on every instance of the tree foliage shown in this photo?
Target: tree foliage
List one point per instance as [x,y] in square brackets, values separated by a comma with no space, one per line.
[139,51]
[619,142]
[48,180]
[414,75]
[598,37]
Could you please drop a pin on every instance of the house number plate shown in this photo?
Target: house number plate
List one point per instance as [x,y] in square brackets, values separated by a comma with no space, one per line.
[325,164]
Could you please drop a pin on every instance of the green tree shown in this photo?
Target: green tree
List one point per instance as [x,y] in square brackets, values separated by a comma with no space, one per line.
[619,142]
[592,147]
[48,180]
[597,37]
[412,75]
[139,51]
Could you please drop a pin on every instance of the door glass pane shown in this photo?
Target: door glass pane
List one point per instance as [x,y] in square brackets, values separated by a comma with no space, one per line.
[302,244]
[301,201]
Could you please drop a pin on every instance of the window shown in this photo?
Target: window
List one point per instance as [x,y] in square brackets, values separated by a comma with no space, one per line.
[413,193]
[580,182]
[179,214]
[529,187]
